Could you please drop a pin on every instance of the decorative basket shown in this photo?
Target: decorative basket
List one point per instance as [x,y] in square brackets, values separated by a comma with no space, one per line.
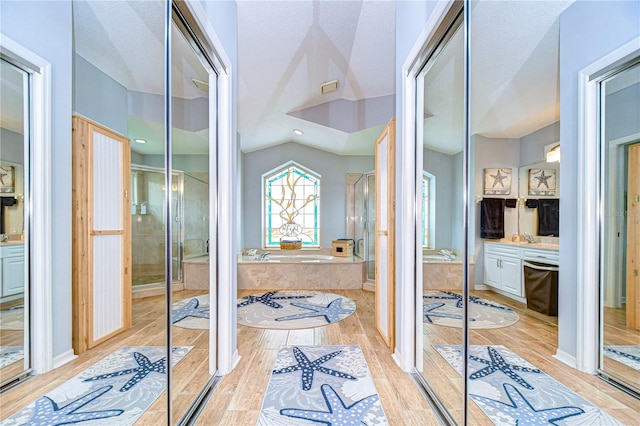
[290,244]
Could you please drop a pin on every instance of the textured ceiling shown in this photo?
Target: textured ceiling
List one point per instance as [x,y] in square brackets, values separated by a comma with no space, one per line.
[287,49]
[11,98]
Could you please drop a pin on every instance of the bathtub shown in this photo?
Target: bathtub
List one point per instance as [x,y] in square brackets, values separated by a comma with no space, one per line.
[300,269]
[439,273]
[195,271]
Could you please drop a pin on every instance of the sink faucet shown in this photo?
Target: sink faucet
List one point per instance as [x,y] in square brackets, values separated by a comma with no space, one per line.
[263,256]
[529,238]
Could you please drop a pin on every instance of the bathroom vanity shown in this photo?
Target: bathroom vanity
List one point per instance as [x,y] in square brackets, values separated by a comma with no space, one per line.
[503,265]
[11,270]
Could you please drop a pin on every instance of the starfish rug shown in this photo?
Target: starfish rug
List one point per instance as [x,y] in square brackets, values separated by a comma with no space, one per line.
[293,309]
[192,312]
[12,318]
[10,354]
[115,391]
[627,355]
[511,391]
[329,385]
[445,308]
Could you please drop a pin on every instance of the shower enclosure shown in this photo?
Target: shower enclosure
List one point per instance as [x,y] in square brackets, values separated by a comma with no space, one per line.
[189,230]
[365,222]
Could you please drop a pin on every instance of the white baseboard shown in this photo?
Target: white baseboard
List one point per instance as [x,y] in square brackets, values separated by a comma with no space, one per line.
[369,286]
[565,358]
[235,359]
[482,287]
[64,358]
[397,357]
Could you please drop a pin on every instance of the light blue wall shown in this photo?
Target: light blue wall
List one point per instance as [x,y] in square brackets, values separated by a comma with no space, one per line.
[623,113]
[331,167]
[185,163]
[532,145]
[12,146]
[588,31]
[44,27]
[98,97]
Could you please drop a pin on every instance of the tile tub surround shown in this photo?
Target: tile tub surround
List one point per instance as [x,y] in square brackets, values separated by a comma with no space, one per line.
[196,273]
[440,274]
[300,269]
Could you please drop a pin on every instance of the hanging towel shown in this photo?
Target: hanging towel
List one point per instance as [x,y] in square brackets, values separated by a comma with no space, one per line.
[511,202]
[5,202]
[531,203]
[492,218]
[549,217]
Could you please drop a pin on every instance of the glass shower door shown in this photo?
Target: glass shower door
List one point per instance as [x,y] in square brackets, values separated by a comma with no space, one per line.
[148,226]
[370,197]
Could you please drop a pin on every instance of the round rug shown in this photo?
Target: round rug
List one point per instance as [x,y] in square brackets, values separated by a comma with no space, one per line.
[192,312]
[445,308]
[293,309]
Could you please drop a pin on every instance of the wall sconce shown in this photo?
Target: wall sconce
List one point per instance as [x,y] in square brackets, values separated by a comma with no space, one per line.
[552,152]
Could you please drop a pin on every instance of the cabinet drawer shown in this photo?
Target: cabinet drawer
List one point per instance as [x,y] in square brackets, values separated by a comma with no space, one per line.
[501,249]
[12,251]
[550,256]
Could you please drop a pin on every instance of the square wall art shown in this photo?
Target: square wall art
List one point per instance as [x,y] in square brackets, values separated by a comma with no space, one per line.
[497,181]
[542,182]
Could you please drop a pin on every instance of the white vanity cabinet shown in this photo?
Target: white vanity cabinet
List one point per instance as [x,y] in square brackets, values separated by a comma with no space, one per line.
[503,268]
[12,269]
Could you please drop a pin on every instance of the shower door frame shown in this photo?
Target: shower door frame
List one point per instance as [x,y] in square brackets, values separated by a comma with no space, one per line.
[179,229]
[366,225]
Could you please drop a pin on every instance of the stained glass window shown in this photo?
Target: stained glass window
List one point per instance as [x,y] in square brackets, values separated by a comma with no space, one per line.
[291,196]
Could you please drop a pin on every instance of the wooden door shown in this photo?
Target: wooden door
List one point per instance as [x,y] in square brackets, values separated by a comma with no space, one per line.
[101,234]
[633,238]
[385,233]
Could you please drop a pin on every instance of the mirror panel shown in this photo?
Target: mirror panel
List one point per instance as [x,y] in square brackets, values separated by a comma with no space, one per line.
[440,240]
[14,249]
[193,85]
[620,195]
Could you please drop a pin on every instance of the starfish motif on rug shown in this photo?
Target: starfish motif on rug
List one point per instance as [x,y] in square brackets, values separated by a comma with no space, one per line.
[191,309]
[623,354]
[542,179]
[308,368]
[473,299]
[145,367]
[498,178]
[339,413]
[498,363]
[331,312]
[268,299]
[523,412]
[47,413]
[428,309]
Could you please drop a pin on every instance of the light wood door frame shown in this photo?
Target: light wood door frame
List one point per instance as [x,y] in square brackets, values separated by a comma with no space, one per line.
[84,233]
[633,238]
[385,233]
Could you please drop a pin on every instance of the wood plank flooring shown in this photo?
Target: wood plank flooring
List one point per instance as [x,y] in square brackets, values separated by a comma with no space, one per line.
[238,399]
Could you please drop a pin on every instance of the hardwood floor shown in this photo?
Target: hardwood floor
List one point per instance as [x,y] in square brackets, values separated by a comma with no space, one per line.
[238,399]
[616,332]
[534,337]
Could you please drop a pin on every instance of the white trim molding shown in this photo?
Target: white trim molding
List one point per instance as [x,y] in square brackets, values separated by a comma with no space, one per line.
[40,206]
[408,353]
[64,358]
[589,211]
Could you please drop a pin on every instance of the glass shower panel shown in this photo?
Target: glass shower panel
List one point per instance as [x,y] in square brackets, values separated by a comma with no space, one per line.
[359,220]
[196,217]
[371,226]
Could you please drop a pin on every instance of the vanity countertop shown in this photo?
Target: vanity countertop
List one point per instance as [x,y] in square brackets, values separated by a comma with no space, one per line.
[11,243]
[542,246]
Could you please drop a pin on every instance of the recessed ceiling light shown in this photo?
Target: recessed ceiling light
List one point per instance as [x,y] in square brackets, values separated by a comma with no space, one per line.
[140,141]
[298,132]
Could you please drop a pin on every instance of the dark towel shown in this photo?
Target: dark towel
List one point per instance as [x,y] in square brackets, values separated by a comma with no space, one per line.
[492,218]
[5,202]
[531,203]
[549,217]
[511,203]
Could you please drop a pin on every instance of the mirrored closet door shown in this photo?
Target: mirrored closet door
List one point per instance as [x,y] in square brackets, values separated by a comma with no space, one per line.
[620,237]
[14,221]
[440,245]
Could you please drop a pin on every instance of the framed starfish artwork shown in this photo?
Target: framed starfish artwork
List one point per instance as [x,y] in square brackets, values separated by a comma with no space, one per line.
[542,182]
[497,181]
[6,179]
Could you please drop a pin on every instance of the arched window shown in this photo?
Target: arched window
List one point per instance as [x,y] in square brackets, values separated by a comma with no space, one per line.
[291,205]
